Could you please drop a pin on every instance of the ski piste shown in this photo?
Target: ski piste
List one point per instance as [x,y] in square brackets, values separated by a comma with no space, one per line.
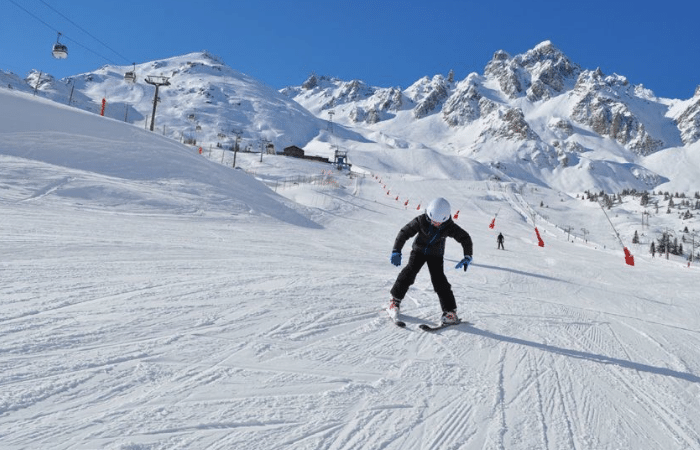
[426,327]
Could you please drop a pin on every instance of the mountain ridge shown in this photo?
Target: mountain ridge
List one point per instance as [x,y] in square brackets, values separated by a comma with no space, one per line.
[535,117]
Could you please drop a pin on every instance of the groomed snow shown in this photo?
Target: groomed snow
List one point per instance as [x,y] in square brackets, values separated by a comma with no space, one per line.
[152,298]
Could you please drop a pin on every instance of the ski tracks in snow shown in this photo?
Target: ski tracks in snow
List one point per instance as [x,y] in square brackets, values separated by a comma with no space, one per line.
[196,334]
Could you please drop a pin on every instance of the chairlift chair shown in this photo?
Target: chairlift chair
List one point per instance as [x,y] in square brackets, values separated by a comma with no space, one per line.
[131,75]
[59,51]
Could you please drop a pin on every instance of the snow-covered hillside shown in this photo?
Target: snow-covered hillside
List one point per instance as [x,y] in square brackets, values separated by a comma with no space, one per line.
[536,117]
[155,298]
[205,101]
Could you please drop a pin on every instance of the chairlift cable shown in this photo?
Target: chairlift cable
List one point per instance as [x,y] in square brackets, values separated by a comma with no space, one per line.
[32,14]
[84,31]
[89,49]
[63,34]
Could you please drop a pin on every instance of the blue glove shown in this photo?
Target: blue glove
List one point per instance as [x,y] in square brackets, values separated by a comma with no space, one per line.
[464,262]
[396,258]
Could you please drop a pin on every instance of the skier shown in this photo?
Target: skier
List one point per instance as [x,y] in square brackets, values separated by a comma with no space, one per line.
[432,229]
[500,239]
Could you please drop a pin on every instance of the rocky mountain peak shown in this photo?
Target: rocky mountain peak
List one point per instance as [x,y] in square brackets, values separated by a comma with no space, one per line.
[604,105]
[310,82]
[689,120]
[508,73]
[466,103]
[550,71]
[540,73]
[428,94]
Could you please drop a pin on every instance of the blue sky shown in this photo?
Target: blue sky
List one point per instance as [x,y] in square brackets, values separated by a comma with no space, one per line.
[383,43]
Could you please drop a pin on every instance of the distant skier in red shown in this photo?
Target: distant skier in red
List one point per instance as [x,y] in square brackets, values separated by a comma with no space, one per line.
[500,240]
[432,229]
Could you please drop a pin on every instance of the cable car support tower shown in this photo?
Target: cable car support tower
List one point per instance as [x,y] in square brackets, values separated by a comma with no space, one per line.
[157,82]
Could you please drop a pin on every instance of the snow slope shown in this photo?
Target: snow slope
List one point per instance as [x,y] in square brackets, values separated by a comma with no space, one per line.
[154,299]
[88,146]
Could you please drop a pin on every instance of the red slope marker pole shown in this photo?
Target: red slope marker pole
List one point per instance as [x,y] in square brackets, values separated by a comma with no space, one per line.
[629,259]
[493,222]
[539,238]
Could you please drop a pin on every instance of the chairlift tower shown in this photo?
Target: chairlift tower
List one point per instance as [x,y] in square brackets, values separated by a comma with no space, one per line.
[238,134]
[340,158]
[157,82]
[266,146]
[695,244]
[330,122]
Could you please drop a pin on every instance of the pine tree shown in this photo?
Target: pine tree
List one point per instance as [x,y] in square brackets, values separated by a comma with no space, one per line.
[645,199]
[663,244]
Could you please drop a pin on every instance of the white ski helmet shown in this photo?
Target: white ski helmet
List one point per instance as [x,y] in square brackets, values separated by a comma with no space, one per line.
[438,210]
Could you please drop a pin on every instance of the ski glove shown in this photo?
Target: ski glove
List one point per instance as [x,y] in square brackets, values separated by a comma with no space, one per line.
[396,258]
[464,262]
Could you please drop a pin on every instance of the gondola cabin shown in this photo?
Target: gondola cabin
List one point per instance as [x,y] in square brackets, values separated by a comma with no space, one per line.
[59,51]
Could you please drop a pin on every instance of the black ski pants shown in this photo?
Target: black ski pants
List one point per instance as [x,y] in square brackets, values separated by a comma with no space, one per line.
[437,275]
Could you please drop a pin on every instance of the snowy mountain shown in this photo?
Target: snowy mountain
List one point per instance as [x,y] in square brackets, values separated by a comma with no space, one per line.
[206,101]
[536,117]
[687,116]
[152,297]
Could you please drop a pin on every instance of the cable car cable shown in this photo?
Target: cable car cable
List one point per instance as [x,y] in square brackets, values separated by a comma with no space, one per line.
[62,34]
[33,15]
[84,30]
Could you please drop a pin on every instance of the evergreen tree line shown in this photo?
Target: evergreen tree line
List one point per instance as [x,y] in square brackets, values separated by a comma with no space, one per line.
[679,200]
[665,244]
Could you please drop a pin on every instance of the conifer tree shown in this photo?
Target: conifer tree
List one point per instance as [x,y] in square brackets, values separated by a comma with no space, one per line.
[645,199]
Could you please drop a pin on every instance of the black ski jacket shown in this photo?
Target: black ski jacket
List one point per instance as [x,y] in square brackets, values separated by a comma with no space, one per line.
[431,239]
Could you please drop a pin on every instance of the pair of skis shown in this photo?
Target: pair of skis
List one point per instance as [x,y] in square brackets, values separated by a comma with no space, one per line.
[424,326]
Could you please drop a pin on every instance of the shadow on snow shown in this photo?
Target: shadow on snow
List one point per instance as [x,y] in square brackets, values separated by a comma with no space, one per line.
[584,355]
